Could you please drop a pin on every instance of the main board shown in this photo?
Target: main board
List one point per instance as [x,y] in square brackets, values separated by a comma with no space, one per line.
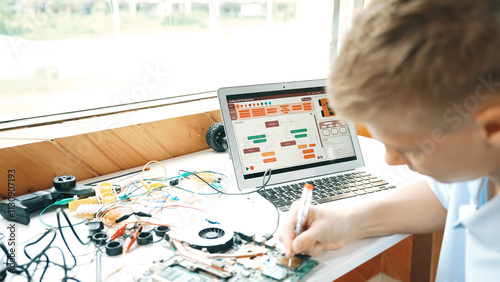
[210,252]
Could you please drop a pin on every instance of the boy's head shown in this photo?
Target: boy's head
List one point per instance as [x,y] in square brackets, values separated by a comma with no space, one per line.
[418,64]
[424,75]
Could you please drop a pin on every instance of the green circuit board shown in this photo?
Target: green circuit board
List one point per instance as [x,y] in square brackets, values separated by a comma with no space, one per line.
[270,266]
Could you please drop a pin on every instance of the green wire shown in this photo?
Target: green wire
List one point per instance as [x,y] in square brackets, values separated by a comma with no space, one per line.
[58,203]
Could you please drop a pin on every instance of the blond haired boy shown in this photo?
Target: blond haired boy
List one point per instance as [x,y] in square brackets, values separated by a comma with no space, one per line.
[424,76]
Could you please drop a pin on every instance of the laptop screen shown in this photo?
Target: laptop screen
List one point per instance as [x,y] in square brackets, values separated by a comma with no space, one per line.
[288,128]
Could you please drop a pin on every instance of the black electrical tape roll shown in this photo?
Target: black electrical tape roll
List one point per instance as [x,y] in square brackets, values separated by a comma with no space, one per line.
[161,230]
[114,248]
[100,238]
[144,238]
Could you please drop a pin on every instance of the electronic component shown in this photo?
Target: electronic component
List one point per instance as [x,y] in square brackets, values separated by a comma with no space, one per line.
[211,237]
[276,272]
[87,210]
[174,182]
[134,238]
[245,236]
[99,238]
[304,268]
[75,205]
[301,264]
[161,230]
[95,226]
[104,193]
[253,262]
[270,244]
[192,258]
[259,240]
[144,238]
[296,261]
[268,236]
[197,271]
[173,274]
[114,248]
[119,232]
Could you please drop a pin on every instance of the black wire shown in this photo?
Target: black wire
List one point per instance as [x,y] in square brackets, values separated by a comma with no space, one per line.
[16,266]
[264,184]
[24,268]
[59,212]
[42,259]
[64,266]
[159,240]
[277,212]
[27,265]
[46,266]
[36,259]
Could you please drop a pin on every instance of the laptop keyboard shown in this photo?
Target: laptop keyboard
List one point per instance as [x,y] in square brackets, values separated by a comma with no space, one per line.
[327,189]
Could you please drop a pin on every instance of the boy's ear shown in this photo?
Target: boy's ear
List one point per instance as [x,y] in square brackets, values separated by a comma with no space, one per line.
[488,119]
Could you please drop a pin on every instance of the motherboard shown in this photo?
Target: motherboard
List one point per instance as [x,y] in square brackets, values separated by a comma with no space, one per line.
[211,252]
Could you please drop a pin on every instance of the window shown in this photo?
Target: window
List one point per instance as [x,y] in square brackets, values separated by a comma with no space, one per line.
[85,57]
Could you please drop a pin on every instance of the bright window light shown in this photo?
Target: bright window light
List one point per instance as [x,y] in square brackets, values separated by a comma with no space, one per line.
[60,56]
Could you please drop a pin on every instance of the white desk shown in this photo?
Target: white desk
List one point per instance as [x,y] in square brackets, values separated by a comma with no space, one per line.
[252,214]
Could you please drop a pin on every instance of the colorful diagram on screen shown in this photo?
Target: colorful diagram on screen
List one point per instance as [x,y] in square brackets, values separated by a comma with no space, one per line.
[287,140]
[295,130]
[325,109]
[252,110]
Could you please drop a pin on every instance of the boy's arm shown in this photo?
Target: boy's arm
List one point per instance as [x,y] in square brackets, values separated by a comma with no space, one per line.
[414,209]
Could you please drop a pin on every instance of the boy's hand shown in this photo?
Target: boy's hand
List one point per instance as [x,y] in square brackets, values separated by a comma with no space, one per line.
[324,229]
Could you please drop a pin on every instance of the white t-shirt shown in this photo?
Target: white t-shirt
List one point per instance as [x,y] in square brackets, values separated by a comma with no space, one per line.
[471,242]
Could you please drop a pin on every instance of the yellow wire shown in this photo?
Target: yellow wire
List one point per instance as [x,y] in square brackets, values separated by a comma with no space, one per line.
[142,175]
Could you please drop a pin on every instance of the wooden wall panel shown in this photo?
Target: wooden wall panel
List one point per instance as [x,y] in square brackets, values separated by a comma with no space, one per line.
[363,272]
[215,115]
[92,148]
[37,165]
[421,264]
[97,153]
[182,135]
[396,261]
[437,241]
[115,149]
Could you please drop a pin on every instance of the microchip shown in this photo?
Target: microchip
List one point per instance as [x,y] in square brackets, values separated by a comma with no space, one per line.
[304,269]
[275,272]
[296,261]
[180,274]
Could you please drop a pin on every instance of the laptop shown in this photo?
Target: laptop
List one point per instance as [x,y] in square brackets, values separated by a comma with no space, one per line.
[290,130]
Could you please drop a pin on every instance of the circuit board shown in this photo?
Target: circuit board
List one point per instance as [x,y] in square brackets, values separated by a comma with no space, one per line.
[241,260]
